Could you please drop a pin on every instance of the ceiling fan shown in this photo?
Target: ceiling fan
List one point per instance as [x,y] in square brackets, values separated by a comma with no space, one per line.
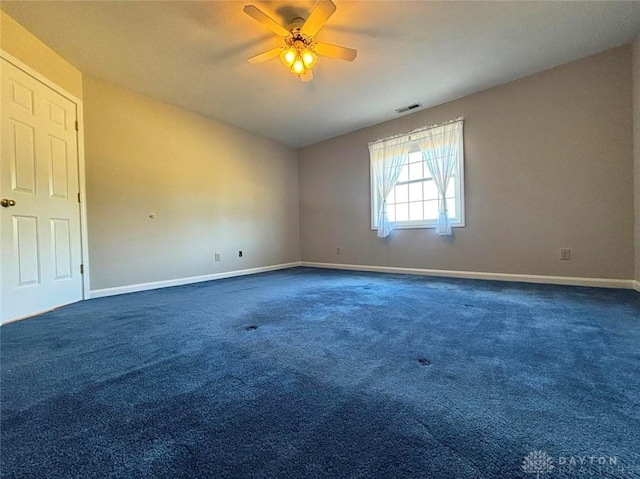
[299,50]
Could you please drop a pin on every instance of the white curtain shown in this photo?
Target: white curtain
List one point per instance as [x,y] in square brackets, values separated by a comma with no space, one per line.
[441,149]
[387,159]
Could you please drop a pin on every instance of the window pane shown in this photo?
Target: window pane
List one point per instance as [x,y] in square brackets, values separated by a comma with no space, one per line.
[391,212]
[415,210]
[451,207]
[402,212]
[392,197]
[415,157]
[431,210]
[430,190]
[415,192]
[415,171]
[402,193]
[426,173]
[404,174]
[451,187]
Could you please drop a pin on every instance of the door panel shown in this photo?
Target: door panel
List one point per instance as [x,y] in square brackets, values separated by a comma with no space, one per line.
[25,241]
[58,115]
[23,157]
[39,236]
[22,95]
[61,248]
[59,171]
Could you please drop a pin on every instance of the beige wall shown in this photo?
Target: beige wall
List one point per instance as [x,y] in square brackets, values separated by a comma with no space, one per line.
[636,149]
[17,41]
[211,187]
[548,165]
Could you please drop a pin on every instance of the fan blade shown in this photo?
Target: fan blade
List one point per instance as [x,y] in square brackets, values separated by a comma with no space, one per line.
[268,55]
[317,18]
[308,76]
[266,20]
[334,51]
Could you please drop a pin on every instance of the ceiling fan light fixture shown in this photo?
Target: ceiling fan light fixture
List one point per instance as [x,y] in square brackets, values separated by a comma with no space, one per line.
[300,51]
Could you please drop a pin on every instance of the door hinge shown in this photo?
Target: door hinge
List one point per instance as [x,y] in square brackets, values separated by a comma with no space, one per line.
[79,198]
[77,127]
[81,269]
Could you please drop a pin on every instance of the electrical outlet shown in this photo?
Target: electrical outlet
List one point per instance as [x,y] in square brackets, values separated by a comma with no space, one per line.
[565,254]
[217,256]
[240,254]
[337,250]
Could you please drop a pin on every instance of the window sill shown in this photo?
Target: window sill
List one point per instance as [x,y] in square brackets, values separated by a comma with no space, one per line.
[409,226]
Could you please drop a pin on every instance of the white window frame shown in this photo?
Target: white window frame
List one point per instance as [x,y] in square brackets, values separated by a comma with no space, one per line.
[457,222]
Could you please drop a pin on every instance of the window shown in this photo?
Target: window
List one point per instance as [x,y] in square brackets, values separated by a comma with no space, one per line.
[414,199]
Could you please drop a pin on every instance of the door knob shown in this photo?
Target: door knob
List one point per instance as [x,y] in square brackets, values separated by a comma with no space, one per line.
[7,203]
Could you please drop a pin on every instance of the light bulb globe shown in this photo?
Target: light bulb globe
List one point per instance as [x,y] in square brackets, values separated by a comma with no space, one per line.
[298,66]
[288,56]
[309,58]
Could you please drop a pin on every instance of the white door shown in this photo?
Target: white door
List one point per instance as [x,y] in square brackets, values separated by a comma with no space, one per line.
[39,215]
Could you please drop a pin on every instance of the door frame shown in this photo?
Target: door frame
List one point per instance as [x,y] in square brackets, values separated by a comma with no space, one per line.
[84,236]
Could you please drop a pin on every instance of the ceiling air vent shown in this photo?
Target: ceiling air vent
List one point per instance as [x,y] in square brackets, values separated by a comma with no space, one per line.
[408,108]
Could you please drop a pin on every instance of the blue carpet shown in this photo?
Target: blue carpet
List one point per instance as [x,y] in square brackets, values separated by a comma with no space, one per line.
[313,373]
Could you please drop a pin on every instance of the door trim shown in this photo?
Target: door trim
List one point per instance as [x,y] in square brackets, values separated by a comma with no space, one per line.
[84,236]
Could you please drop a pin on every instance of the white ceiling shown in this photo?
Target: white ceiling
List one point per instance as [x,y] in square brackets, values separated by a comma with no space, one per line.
[193,54]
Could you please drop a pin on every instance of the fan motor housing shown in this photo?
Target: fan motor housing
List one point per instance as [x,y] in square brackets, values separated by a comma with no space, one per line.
[296,24]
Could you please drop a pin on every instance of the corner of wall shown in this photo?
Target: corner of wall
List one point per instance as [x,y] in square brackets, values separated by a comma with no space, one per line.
[636,152]
[19,42]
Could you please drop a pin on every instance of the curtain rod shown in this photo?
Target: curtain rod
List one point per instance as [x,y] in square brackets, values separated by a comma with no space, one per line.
[417,130]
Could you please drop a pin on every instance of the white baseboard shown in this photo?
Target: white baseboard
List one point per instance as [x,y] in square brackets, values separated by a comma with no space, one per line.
[133,288]
[31,315]
[521,278]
